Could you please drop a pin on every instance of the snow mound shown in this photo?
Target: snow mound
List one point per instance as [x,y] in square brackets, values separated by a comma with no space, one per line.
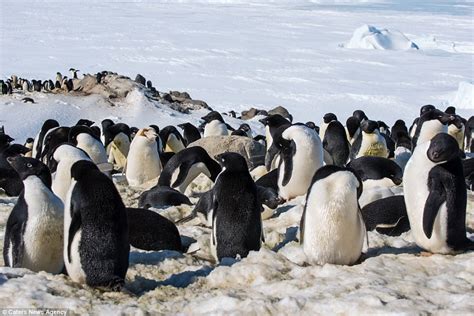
[369,37]
[464,98]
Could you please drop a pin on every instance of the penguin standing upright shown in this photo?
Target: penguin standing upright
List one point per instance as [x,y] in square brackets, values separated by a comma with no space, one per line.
[34,230]
[332,229]
[369,142]
[215,125]
[116,142]
[29,144]
[190,133]
[435,196]
[84,138]
[172,139]
[302,154]
[352,129]
[430,123]
[274,126]
[327,118]
[60,162]
[236,220]
[143,160]
[96,240]
[38,143]
[456,128]
[335,144]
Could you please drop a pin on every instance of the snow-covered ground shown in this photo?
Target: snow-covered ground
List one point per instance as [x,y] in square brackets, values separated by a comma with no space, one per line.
[234,55]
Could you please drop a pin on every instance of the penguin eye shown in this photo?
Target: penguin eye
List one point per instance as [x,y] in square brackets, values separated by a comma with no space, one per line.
[29,165]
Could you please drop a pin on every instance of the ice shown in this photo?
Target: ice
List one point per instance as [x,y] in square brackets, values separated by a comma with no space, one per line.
[369,37]
[464,98]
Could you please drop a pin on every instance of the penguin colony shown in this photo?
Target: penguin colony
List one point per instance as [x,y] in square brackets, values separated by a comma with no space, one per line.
[362,175]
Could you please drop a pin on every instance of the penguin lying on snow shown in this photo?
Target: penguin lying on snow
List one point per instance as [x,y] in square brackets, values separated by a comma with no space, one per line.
[387,215]
[435,196]
[96,240]
[332,229]
[34,229]
[151,231]
[162,196]
[236,221]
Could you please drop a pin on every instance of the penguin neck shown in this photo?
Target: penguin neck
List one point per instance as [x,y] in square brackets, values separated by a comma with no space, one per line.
[35,191]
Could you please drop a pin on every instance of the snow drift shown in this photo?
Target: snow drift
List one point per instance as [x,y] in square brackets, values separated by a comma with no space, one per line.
[369,37]
[464,98]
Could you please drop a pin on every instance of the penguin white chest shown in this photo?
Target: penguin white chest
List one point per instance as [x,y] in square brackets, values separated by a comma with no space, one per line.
[373,144]
[194,171]
[429,129]
[174,144]
[143,161]
[43,237]
[215,128]
[73,266]
[334,231]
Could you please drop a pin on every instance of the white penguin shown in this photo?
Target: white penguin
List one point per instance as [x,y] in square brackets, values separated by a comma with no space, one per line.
[143,160]
[332,229]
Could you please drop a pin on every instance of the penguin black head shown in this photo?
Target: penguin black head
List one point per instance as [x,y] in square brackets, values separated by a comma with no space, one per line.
[244,127]
[426,108]
[183,126]
[399,123]
[5,140]
[274,120]
[329,117]
[211,116]
[85,122]
[82,167]
[29,140]
[457,121]
[149,85]
[79,129]
[360,115]
[232,161]
[49,124]
[450,110]
[26,167]
[369,126]
[134,130]
[239,132]
[443,147]
[14,150]
[436,114]
[328,170]
[352,124]
[106,123]
[311,124]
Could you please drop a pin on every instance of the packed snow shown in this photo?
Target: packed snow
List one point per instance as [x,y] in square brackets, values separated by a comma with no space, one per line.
[234,55]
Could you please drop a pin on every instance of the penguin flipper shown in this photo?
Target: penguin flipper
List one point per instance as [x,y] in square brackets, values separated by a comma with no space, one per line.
[271,153]
[302,226]
[434,201]
[287,155]
[183,173]
[76,223]
[15,228]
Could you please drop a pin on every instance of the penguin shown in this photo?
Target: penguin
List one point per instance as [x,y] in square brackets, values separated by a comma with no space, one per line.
[28,100]
[387,216]
[335,144]
[215,125]
[369,142]
[10,181]
[140,79]
[468,168]
[84,138]
[73,72]
[29,144]
[52,139]
[302,154]
[59,77]
[60,162]
[450,110]
[171,139]
[34,230]
[312,125]
[38,143]
[116,142]
[96,237]
[143,160]
[85,122]
[435,196]
[332,229]
[236,219]
[381,177]
[162,196]
[275,125]
[190,133]
[239,132]
[246,129]
[185,166]
[398,129]
[352,129]
[430,123]
[327,118]
[152,232]
[456,128]
[383,128]
[360,115]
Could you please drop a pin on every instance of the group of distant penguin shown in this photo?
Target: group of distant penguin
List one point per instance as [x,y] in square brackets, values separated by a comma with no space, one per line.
[70,218]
